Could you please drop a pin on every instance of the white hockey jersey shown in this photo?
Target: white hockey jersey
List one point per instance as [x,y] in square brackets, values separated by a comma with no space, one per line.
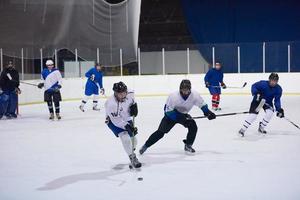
[52,78]
[118,112]
[175,101]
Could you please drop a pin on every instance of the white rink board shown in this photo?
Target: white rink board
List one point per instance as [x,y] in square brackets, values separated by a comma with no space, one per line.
[160,85]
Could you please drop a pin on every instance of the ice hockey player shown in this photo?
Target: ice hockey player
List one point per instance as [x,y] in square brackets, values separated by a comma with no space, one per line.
[93,83]
[9,84]
[264,93]
[176,110]
[52,79]
[120,110]
[214,82]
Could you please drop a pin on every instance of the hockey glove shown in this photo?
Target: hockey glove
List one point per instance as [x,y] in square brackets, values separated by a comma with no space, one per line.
[223,85]
[207,84]
[133,110]
[280,113]
[102,91]
[92,77]
[40,85]
[210,115]
[132,131]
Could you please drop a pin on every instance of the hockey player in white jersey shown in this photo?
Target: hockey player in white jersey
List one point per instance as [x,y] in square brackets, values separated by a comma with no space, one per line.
[52,79]
[176,111]
[120,110]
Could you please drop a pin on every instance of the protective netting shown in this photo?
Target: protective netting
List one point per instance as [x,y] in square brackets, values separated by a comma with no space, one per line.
[72,24]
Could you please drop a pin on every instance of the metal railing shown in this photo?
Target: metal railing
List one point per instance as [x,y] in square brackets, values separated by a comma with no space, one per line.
[170,59]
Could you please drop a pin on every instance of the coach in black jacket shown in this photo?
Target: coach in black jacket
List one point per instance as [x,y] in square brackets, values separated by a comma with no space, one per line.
[9,83]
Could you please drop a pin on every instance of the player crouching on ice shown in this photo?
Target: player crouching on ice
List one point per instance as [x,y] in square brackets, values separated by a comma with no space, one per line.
[120,110]
[52,84]
[264,92]
[213,79]
[176,112]
[93,83]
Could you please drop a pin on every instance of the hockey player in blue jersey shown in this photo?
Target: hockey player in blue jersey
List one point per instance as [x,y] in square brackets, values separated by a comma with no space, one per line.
[93,83]
[264,93]
[214,82]
[52,79]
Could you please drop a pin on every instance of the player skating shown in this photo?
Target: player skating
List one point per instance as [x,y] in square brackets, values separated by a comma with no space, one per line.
[214,82]
[93,83]
[120,110]
[264,93]
[52,84]
[176,110]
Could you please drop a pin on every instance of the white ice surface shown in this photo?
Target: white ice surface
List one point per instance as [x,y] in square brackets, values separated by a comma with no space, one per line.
[76,157]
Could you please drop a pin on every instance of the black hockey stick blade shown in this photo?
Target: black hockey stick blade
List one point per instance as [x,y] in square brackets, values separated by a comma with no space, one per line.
[222,115]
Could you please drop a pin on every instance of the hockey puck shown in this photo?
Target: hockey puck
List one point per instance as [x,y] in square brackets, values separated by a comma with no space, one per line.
[140,178]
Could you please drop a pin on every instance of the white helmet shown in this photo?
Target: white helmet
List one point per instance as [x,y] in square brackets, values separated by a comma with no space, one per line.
[49,62]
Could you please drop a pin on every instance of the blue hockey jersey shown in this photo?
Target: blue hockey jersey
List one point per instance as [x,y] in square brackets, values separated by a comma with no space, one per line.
[97,80]
[214,77]
[268,93]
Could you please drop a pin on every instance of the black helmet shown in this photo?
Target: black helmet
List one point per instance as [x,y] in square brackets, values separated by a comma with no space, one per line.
[185,84]
[274,76]
[119,87]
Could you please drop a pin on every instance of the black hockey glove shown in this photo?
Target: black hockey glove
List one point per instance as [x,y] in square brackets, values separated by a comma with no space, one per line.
[132,131]
[210,115]
[207,84]
[280,113]
[133,110]
[223,85]
[40,85]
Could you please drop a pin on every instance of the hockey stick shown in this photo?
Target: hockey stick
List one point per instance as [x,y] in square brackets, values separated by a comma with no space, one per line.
[292,122]
[28,83]
[222,115]
[232,87]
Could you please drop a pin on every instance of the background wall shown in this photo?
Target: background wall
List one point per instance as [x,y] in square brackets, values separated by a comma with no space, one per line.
[160,85]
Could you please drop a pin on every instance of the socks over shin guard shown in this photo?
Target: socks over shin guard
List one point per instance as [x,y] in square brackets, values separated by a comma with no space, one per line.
[50,106]
[57,109]
[215,100]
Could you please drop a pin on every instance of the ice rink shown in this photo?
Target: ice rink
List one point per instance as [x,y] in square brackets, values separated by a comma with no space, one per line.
[79,158]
